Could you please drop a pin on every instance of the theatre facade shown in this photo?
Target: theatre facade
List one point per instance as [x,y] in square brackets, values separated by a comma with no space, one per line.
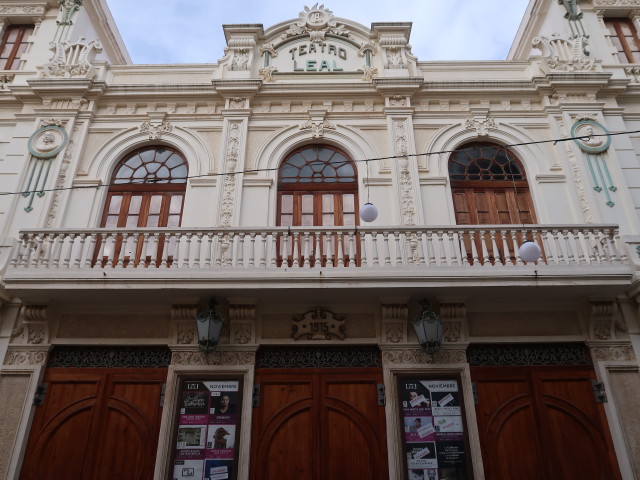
[317,194]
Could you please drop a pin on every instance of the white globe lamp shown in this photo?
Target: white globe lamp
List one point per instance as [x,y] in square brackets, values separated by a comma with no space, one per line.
[530,251]
[368,212]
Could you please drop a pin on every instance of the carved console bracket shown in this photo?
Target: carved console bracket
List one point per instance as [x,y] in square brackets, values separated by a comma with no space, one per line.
[454,317]
[242,322]
[394,322]
[183,316]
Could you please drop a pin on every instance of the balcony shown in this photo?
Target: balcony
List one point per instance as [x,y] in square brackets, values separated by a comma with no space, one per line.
[312,257]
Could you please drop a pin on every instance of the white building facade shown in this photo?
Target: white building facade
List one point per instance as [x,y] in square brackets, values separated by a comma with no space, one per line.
[133,195]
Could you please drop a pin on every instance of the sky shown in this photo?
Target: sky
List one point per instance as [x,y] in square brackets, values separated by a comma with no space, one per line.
[190,31]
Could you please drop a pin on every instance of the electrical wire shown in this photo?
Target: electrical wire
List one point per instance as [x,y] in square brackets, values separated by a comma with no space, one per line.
[366,160]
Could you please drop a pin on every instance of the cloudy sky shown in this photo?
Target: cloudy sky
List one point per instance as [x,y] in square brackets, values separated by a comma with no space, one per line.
[186,31]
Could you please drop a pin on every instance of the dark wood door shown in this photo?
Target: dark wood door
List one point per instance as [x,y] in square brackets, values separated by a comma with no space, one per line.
[542,422]
[315,424]
[96,424]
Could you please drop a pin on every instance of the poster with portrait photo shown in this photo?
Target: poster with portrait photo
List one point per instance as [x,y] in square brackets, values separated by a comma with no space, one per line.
[223,405]
[419,429]
[188,469]
[215,469]
[221,441]
[421,456]
[416,398]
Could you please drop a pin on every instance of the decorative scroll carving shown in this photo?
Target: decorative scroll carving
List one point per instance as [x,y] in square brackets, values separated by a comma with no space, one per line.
[62,175]
[602,320]
[565,54]
[26,357]
[408,208]
[318,357]
[72,59]
[416,356]
[155,131]
[316,21]
[368,73]
[454,317]
[217,357]
[237,103]
[481,124]
[317,128]
[395,59]
[528,354]
[229,186]
[240,60]
[318,324]
[67,9]
[394,321]
[266,73]
[110,357]
[184,316]
[242,323]
[633,73]
[185,333]
[22,10]
[398,101]
[268,48]
[6,79]
[34,320]
[577,178]
[612,352]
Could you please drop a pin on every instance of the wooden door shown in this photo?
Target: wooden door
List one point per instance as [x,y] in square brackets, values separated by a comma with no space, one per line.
[317,424]
[542,422]
[96,424]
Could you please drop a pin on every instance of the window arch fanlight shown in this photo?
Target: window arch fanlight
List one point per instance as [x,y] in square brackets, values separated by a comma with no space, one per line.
[489,187]
[318,186]
[147,189]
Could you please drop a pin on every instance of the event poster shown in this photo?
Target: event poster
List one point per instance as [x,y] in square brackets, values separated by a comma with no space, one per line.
[208,415]
[434,435]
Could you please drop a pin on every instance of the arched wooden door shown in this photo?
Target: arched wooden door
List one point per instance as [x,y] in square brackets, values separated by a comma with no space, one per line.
[317,424]
[542,422]
[96,424]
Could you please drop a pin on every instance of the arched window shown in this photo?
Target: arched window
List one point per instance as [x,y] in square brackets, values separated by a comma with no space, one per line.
[318,186]
[146,190]
[489,186]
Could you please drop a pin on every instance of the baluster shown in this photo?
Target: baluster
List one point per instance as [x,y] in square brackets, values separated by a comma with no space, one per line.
[252,250]
[570,257]
[387,251]
[374,249]
[186,250]
[317,252]
[463,248]
[66,251]
[486,260]
[329,243]
[591,238]
[443,253]
[123,249]
[352,254]
[145,257]
[340,252]
[297,253]
[262,263]
[208,245]
[616,242]
[239,249]
[516,247]
[474,249]
[611,247]
[546,247]
[396,236]
[285,250]
[17,255]
[167,238]
[197,256]
[306,250]
[430,251]
[273,262]
[494,246]
[36,244]
[560,258]
[28,251]
[364,261]
[579,245]
[104,251]
[77,263]
[218,250]
[453,250]
[505,246]
[420,250]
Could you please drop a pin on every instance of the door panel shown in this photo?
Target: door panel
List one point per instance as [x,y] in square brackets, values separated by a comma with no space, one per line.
[542,422]
[317,424]
[94,426]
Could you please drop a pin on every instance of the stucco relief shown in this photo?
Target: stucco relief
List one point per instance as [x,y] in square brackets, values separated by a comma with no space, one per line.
[185,333]
[617,3]
[62,176]
[317,128]
[240,60]
[481,125]
[72,59]
[577,178]
[6,79]
[229,185]
[266,73]
[415,356]
[155,130]
[22,10]
[408,208]
[612,352]
[193,358]
[242,333]
[67,9]
[26,357]
[394,332]
[315,21]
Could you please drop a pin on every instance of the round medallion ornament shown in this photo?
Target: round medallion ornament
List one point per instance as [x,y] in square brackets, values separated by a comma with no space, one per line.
[590,136]
[316,17]
[47,142]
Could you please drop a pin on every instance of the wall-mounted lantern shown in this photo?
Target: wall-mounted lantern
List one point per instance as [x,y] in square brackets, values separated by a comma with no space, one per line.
[209,325]
[429,329]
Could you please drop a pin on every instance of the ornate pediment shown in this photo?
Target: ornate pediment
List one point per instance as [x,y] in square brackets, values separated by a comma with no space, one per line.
[316,21]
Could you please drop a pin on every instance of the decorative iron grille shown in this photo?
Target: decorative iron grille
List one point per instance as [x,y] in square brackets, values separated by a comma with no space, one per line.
[528,354]
[110,357]
[318,357]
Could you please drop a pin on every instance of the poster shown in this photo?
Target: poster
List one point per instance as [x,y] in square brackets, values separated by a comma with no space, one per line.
[207,430]
[434,431]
